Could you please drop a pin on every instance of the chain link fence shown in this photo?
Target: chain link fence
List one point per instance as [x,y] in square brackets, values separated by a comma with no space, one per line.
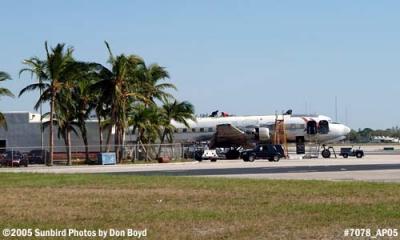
[23,156]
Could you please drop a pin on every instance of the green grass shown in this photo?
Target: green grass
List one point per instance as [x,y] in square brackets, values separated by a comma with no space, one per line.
[197,208]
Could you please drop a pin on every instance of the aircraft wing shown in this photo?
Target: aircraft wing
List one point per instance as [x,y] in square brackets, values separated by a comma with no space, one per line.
[229,136]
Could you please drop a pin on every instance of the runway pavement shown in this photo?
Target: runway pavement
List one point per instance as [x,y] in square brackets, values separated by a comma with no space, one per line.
[383,168]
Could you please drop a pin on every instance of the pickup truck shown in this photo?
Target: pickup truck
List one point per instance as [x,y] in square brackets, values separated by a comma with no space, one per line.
[263,151]
[211,155]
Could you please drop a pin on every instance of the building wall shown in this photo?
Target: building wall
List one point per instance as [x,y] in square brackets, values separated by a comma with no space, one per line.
[24,133]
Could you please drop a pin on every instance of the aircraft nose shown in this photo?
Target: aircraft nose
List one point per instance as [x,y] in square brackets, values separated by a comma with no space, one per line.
[346,130]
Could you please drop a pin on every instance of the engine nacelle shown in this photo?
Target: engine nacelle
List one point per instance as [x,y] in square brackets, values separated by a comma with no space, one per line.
[262,134]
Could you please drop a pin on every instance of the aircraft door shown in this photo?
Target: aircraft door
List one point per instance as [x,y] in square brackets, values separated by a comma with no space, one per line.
[323,127]
[311,127]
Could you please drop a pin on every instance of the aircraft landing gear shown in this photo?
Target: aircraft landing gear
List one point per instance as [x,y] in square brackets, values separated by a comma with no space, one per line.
[326,153]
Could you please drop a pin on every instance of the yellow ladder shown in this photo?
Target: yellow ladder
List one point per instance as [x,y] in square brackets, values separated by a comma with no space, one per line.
[280,135]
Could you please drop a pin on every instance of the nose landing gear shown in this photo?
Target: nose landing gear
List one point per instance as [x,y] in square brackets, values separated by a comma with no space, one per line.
[326,152]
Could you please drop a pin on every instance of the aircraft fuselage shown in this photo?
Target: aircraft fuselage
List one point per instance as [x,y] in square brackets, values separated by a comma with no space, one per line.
[296,126]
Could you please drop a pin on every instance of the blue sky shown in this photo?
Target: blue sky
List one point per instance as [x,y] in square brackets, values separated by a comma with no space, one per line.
[243,57]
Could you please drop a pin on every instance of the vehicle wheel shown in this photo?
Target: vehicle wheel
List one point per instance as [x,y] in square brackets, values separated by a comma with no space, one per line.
[232,154]
[213,160]
[245,159]
[198,155]
[251,158]
[326,153]
[276,158]
[345,155]
[359,155]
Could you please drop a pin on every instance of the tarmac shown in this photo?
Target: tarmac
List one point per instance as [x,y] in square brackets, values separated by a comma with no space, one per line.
[377,168]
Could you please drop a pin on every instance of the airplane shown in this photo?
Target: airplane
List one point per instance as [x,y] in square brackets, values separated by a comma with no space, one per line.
[243,131]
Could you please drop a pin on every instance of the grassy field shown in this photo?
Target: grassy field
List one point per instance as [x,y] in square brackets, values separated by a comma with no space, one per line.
[197,208]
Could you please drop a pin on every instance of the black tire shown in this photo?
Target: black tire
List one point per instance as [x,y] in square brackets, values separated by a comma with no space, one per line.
[245,159]
[198,155]
[213,160]
[276,158]
[359,155]
[326,153]
[232,154]
[251,158]
[345,155]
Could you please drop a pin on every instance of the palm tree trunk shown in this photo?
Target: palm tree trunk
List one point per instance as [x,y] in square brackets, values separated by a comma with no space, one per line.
[122,141]
[85,141]
[136,152]
[117,123]
[109,138]
[116,143]
[69,152]
[161,143]
[41,121]
[141,133]
[100,134]
[133,133]
[51,137]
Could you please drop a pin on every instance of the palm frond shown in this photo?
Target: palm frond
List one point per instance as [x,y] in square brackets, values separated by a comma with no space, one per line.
[33,87]
[4,76]
[6,92]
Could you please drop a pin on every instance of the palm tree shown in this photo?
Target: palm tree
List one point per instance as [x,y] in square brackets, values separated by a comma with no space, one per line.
[176,111]
[56,70]
[118,88]
[84,99]
[146,121]
[36,67]
[64,119]
[4,92]
[149,85]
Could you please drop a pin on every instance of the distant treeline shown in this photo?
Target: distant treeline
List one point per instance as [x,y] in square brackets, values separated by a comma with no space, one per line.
[366,134]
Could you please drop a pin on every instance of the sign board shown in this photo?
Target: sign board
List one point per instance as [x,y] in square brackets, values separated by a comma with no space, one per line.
[106,158]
